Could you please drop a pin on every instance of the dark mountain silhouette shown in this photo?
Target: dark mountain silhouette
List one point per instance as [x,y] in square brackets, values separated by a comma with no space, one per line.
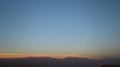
[54,62]
[111,65]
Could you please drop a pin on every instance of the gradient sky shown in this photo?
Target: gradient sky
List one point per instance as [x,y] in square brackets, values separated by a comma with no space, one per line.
[60,27]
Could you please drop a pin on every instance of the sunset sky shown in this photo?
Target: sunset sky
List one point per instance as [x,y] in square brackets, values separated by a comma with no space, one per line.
[85,28]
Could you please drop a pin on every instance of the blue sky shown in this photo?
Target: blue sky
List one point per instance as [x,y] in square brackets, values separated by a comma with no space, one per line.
[82,27]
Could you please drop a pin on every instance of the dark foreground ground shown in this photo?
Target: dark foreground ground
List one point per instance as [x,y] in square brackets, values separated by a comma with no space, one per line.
[52,62]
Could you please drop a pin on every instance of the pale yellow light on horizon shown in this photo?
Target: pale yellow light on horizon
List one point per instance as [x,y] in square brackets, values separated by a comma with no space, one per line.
[41,55]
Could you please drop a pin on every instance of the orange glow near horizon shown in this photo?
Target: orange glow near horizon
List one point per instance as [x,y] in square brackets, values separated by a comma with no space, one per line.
[38,55]
[15,55]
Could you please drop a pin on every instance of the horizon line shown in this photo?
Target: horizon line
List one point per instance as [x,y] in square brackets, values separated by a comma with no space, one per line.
[58,56]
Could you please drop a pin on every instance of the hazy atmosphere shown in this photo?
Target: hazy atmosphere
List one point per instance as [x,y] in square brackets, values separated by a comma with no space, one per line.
[60,28]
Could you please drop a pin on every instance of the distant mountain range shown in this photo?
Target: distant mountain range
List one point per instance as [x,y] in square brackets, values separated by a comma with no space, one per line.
[54,62]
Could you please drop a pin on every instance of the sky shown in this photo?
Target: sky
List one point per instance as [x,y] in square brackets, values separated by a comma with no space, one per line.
[87,28]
